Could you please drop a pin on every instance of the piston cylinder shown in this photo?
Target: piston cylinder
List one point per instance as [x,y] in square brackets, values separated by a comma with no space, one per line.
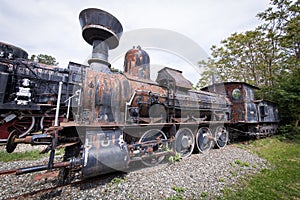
[104,152]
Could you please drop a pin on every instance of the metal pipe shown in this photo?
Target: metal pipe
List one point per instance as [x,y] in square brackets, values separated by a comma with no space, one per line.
[69,102]
[68,111]
[58,104]
[74,162]
[128,104]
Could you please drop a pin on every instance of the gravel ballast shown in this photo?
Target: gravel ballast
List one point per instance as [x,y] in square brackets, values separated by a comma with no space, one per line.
[195,177]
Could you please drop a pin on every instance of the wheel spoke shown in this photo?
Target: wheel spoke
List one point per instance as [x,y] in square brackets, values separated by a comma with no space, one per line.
[221,136]
[22,124]
[204,139]
[184,142]
[153,135]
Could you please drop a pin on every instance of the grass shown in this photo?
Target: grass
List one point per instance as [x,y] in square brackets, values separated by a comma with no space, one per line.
[28,155]
[179,191]
[241,163]
[116,181]
[281,180]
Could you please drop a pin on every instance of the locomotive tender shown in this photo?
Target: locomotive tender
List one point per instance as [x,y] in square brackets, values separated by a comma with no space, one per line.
[121,118]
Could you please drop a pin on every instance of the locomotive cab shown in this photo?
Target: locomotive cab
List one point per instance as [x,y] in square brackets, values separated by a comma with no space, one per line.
[248,116]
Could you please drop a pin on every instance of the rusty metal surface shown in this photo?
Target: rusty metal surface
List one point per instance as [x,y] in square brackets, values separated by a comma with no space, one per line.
[245,109]
[137,63]
[46,175]
[117,98]
[105,97]
[100,25]
[241,95]
[267,111]
[103,153]
[175,76]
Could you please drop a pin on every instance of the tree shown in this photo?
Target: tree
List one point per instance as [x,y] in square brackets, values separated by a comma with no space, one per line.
[286,93]
[249,57]
[267,57]
[45,59]
[283,20]
[114,70]
[262,55]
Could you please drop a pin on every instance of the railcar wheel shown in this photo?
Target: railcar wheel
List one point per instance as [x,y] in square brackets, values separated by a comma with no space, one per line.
[22,124]
[204,139]
[10,145]
[221,136]
[184,142]
[153,135]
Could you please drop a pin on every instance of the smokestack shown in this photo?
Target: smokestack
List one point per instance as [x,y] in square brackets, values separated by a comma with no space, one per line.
[103,31]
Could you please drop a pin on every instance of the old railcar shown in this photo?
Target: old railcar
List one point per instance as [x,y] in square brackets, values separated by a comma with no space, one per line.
[248,116]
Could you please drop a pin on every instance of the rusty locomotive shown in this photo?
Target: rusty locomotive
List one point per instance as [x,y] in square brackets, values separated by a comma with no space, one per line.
[122,118]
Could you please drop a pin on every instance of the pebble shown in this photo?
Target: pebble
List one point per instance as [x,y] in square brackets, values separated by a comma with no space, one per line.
[200,176]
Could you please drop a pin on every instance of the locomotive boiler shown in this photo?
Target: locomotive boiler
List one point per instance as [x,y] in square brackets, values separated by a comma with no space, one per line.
[123,118]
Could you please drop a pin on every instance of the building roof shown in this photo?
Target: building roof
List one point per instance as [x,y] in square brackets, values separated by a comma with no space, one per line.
[230,83]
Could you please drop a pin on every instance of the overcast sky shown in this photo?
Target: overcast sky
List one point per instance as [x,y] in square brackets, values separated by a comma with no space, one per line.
[52,27]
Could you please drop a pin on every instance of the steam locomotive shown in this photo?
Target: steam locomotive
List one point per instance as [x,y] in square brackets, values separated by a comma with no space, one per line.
[119,119]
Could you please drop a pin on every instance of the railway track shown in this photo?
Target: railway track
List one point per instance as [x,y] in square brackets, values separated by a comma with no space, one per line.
[107,177]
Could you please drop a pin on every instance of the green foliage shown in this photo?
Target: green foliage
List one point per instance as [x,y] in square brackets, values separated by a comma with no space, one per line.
[282,180]
[45,59]
[267,57]
[175,158]
[179,191]
[241,163]
[246,57]
[114,70]
[233,173]
[28,155]
[286,93]
[116,181]
[204,194]
[221,180]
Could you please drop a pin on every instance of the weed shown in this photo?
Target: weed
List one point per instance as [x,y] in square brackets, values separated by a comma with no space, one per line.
[175,197]
[204,194]
[178,196]
[179,189]
[175,158]
[233,173]
[116,181]
[241,163]
[221,179]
